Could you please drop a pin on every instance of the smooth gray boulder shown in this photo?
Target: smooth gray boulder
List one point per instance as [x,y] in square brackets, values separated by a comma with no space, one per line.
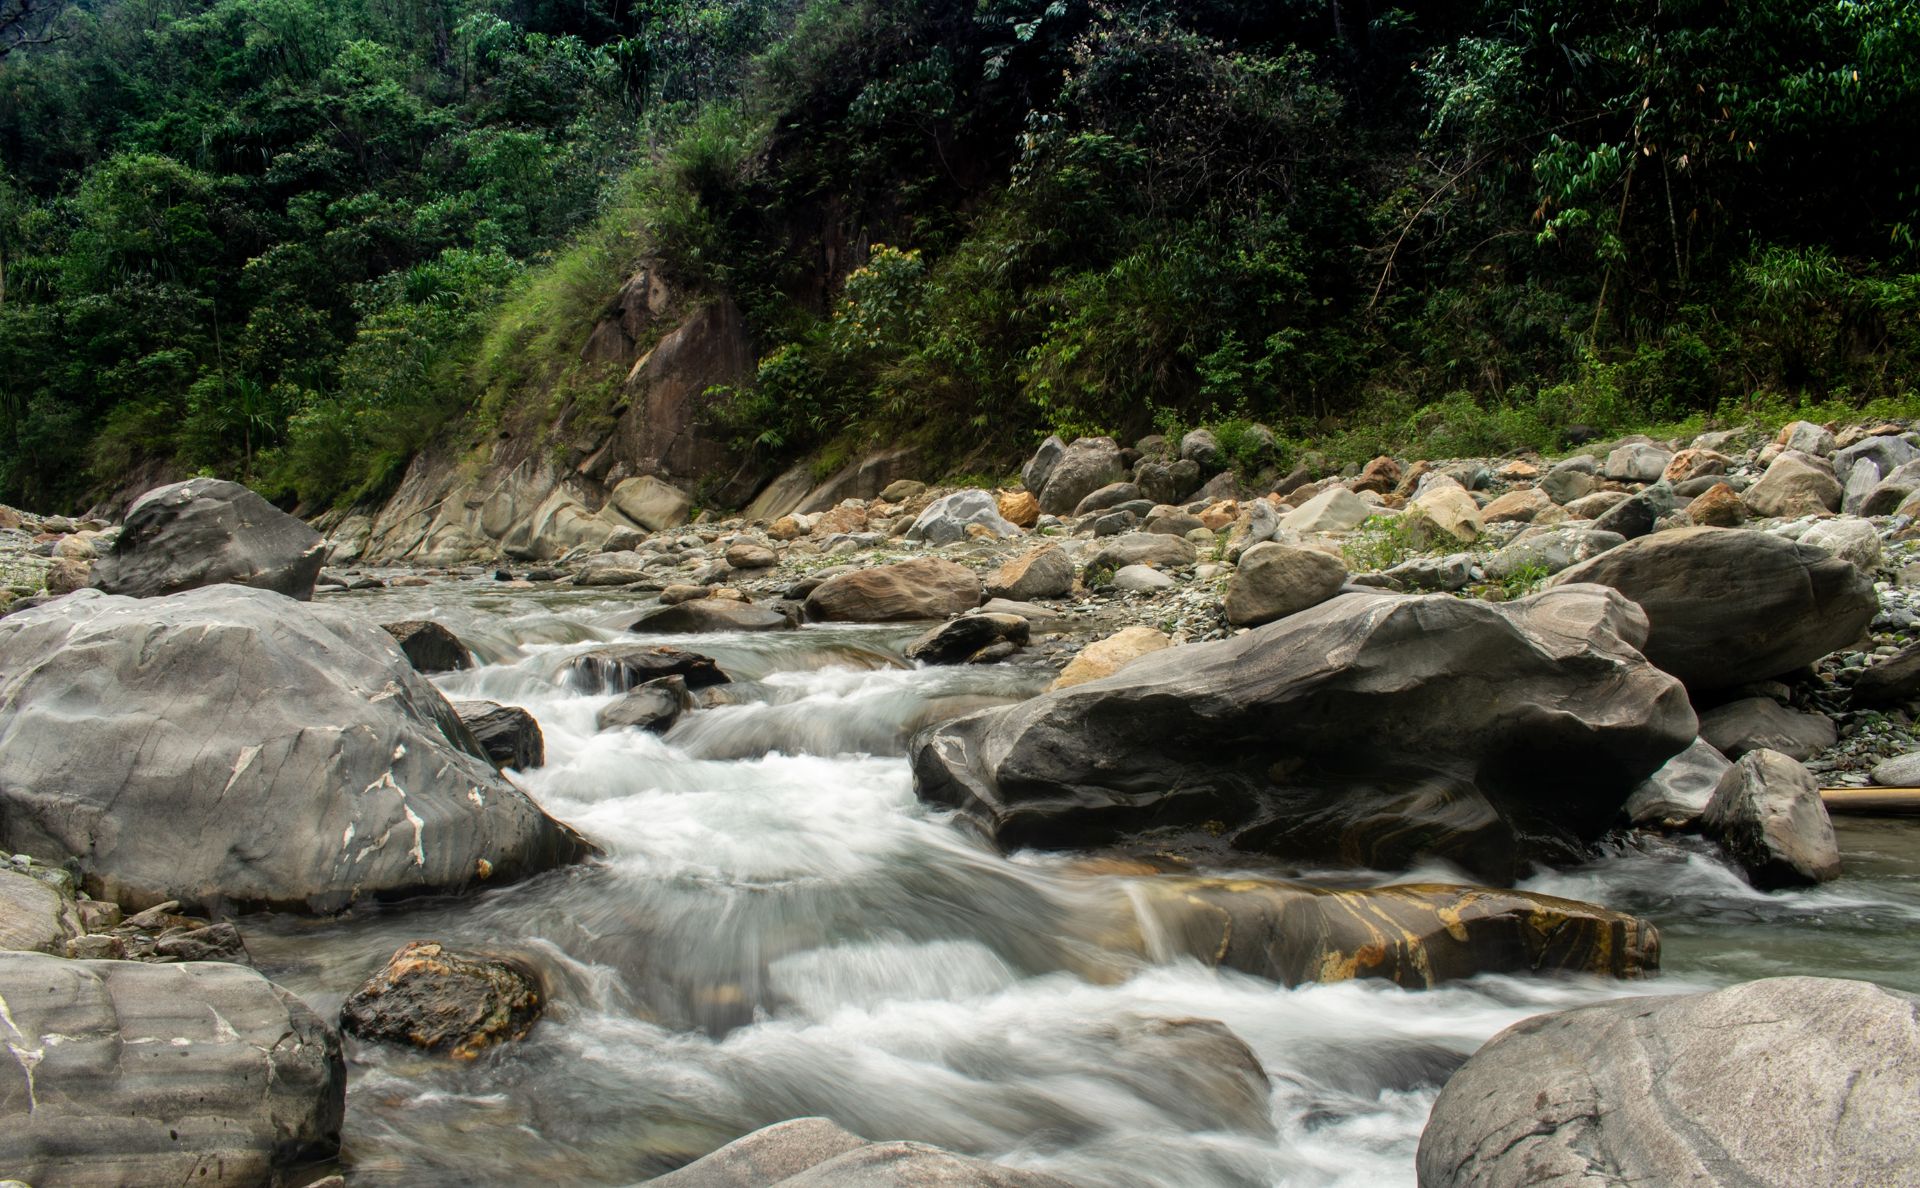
[34,915]
[1901,771]
[1795,484]
[1806,437]
[1334,510]
[1081,469]
[1786,1083]
[1276,580]
[1761,723]
[1676,795]
[1728,606]
[205,532]
[1372,728]
[1767,813]
[126,1073]
[952,518]
[654,706]
[1039,468]
[1637,463]
[231,746]
[1887,453]
[1887,494]
[817,1153]
[1850,540]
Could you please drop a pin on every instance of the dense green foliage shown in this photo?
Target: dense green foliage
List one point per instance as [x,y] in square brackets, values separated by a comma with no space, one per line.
[293,240]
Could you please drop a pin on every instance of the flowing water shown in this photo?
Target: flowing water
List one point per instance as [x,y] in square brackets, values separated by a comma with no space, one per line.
[779,929]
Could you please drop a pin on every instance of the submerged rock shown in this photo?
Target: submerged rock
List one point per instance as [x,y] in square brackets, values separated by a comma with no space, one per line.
[816,1153]
[1373,728]
[697,615]
[956,641]
[620,667]
[128,1073]
[1416,935]
[205,532]
[231,745]
[1786,1081]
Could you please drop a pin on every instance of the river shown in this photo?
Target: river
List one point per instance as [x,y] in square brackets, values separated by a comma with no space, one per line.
[778,928]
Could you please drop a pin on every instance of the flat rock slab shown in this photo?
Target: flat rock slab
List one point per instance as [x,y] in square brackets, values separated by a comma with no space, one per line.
[124,1073]
[1788,1081]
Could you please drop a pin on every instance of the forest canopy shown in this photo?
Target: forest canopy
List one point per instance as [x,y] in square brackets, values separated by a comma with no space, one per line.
[293,242]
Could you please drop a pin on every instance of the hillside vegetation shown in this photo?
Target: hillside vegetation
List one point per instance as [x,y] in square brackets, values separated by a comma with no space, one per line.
[293,242]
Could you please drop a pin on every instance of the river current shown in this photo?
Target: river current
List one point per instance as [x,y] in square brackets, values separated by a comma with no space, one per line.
[778,928]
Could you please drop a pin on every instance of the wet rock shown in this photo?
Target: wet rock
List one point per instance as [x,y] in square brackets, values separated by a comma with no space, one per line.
[1276,580]
[926,588]
[34,916]
[654,706]
[1043,572]
[231,745]
[956,517]
[1281,748]
[508,734]
[815,1153]
[958,641]
[1141,548]
[1334,510]
[620,667]
[1757,723]
[1727,606]
[435,998]
[429,647]
[1416,935]
[206,532]
[1104,657]
[1766,812]
[1081,468]
[161,1072]
[1676,795]
[1786,1081]
[699,615]
[1795,485]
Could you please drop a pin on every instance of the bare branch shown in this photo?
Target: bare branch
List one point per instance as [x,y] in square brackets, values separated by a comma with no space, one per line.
[30,22]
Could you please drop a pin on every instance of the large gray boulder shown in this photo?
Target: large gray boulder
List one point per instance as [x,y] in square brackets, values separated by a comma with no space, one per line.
[126,1073]
[1676,795]
[1786,1082]
[816,1153]
[1042,572]
[1372,728]
[1795,484]
[1081,469]
[1886,453]
[1766,811]
[231,746]
[1550,550]
[1729,606]
[204,532]
[924,588]
[1761,723]
[1276,580]
[955,517]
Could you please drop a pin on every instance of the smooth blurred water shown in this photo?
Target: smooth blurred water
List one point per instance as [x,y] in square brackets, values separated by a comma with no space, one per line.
[780,929]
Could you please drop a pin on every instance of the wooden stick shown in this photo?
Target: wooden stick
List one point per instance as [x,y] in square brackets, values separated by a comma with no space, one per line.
[1872,802]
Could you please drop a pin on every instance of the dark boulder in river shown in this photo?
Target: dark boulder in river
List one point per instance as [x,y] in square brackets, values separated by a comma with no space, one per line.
[1371,729]
[125,1073]
[459,1004]
[508,734]
[1787,1081]
[232,746]
[205,532]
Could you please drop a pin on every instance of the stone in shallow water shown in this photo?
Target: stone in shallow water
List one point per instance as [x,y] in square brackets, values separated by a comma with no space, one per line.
[816,1153]
[431,997]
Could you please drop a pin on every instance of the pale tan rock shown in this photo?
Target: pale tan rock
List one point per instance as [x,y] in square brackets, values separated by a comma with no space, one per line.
[1104,657]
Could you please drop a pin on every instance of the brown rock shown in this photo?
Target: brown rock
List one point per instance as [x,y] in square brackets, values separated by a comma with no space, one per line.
[1043,572]
[1019,508]
[1410,480]
[1220,515]
[1519,470]
[1104,657]
[925,588]
[442,1001]
[1719,506]
[843,519]
[786,528]
[1518,507]
[1695,463]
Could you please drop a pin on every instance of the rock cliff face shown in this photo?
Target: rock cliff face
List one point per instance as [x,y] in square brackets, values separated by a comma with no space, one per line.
[537,490]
